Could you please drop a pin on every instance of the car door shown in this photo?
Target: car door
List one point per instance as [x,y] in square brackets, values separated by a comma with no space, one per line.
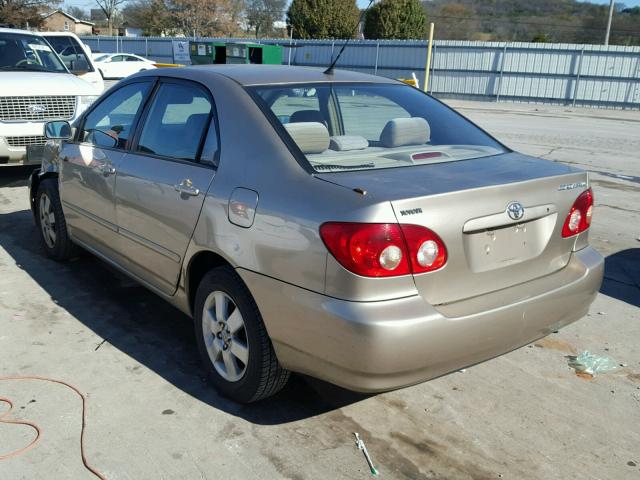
[133,64]
[115,67]
[89,163]
[162,182]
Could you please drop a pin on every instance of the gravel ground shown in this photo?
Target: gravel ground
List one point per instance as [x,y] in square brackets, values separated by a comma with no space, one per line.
[525,415]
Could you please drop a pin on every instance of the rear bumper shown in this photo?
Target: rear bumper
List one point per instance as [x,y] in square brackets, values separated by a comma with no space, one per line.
[377,346]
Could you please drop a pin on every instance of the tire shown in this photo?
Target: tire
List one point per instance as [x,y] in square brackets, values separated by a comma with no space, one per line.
[261,376]
[51,222]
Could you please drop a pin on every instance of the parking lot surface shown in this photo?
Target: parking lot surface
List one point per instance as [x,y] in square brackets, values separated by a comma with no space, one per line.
[525,415]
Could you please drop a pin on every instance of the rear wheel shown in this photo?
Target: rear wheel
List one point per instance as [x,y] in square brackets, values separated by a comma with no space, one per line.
[51,222]
[233,341]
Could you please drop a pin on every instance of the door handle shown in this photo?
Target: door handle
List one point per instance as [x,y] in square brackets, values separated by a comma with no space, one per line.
[186,187]
[107,169]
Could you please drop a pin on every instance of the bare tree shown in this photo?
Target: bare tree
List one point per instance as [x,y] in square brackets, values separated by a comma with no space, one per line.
[24,12]
[77,12]
[109,8]
[203,17]
[262,13]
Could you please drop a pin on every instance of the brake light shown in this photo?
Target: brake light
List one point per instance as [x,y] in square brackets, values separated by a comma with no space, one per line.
[384,249]
[426,249]
[579,217]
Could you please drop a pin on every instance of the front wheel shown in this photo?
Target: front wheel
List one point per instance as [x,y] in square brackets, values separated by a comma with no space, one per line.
[51,222]
[233,341]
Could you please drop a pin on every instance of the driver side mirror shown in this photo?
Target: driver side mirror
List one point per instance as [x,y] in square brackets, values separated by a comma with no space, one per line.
[79,65]
[57,130]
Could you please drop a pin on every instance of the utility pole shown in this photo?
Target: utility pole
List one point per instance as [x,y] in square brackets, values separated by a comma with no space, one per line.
[611,9]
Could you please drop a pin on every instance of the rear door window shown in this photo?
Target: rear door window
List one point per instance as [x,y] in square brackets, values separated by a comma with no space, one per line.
[177,121]
[69,50]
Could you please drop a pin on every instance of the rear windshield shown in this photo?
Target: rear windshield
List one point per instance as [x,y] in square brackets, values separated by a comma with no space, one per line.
[341,127]
[27,52]
[70,52]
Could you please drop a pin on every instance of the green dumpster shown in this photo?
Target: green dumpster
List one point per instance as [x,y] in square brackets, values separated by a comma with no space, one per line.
[207,53]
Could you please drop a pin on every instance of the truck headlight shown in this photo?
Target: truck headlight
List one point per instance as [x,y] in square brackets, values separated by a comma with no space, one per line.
[84,101]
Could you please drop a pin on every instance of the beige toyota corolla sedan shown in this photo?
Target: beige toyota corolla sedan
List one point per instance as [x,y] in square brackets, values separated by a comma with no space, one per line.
[340,225]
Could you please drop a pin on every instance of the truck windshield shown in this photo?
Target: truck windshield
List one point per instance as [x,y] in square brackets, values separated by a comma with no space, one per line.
[341,127]
[70,52]
[19,52]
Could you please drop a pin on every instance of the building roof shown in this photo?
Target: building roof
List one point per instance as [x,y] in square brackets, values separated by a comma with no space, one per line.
[76,20]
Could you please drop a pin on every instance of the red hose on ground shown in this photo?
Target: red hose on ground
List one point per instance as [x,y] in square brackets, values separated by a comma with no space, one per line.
[4,419]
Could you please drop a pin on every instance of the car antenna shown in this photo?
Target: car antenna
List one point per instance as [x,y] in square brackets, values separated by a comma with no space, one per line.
[329,71]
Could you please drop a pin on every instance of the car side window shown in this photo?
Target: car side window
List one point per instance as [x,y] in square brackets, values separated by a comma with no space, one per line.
[133,59]
[109,124]
[117,58]
[177,121]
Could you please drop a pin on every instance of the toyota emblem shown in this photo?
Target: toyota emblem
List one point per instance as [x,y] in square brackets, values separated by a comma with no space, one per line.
[515,210]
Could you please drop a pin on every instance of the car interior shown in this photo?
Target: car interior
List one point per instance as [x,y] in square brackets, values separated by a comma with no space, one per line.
[351,128]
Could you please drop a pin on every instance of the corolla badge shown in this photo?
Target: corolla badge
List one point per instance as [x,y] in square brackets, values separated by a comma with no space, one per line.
[37,108]
[515,210]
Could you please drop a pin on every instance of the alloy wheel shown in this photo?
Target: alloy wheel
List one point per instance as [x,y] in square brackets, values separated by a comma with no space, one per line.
[225,336]
[47,221]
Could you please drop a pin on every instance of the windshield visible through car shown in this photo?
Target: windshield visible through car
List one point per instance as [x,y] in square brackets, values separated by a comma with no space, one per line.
[342,127]
[19,52]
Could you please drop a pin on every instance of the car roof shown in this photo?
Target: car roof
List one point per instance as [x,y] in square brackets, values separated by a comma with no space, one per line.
[249,74]
[18,31]
[59,34]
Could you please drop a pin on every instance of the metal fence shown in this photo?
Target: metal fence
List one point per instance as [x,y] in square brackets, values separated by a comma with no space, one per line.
[563,74]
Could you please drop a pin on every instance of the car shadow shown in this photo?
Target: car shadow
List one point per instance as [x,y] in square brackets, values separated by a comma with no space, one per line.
[15,176]
[622,276]
[148,329]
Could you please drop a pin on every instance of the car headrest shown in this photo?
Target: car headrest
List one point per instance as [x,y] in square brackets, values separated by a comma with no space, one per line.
[196,122]
[405,131]
[307,116]
[311,137]
[344,143]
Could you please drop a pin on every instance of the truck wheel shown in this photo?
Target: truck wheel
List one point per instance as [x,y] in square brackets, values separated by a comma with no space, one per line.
[233,341]
[50,221]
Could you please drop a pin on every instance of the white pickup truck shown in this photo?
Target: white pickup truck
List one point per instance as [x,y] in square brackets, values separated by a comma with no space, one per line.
[35,87]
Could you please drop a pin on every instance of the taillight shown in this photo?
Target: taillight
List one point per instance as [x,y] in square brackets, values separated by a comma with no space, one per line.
[426,249]
[384,249]
[579,217]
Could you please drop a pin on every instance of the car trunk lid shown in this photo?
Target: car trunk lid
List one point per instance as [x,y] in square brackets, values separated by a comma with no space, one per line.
[465,203]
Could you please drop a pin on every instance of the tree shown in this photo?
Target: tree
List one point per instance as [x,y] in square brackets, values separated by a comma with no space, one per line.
[153,16]
[454,21]
[541,37]
[202,17]
[323,18]
[110,10]
[403,19]
[24,12]
[261,14]
[77,12]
